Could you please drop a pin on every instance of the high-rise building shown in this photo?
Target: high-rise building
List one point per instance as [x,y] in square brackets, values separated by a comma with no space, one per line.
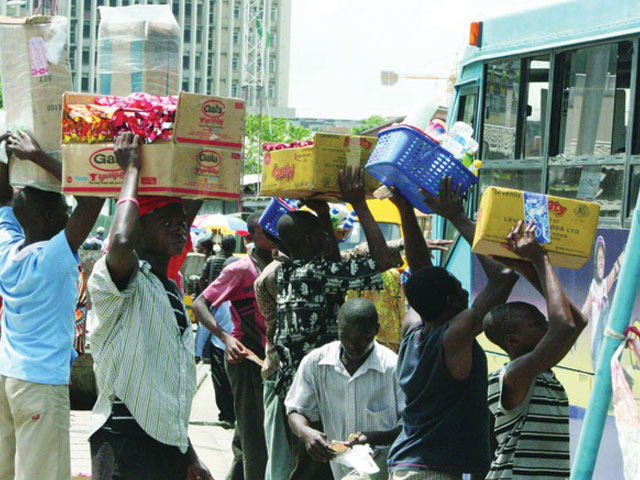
[232,48]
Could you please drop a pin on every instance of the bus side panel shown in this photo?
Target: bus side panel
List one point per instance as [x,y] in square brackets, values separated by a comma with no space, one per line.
[592,289]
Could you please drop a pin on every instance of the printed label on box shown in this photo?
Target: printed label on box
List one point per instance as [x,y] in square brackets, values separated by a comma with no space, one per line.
[39,65]
[536,210]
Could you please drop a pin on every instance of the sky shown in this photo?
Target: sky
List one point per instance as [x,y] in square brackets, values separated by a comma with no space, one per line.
[339,48]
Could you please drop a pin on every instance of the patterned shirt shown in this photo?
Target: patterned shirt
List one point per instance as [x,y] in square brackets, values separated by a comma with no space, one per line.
[310,294]
[140,355]
[533,438]
[214,266]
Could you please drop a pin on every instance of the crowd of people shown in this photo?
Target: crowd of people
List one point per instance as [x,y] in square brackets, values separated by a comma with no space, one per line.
[297,368]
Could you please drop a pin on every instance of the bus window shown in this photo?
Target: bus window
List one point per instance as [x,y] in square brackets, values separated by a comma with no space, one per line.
[595,100]
[593,183]
[521,179]
[502,91]
[635,188]
[535,114]
[467,108]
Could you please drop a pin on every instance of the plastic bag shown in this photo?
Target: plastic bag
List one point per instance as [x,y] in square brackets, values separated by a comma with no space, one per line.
[626,412]
[359,458]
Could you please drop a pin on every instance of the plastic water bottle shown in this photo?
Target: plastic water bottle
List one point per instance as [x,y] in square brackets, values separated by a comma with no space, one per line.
[458,141]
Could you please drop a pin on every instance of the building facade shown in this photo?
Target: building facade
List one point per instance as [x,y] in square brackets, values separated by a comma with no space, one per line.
[231,48]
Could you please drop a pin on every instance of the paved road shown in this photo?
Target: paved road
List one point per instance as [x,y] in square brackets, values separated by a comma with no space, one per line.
[212,443]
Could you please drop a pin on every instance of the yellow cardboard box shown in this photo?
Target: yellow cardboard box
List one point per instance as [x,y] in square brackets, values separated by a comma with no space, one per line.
[171,169]
[312,172]
[192,165]
[567,227]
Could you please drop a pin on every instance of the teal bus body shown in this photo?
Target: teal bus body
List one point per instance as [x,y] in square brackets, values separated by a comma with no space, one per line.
[553,94]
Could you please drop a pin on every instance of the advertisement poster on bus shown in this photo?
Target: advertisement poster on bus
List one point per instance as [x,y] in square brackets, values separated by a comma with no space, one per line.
[592,289]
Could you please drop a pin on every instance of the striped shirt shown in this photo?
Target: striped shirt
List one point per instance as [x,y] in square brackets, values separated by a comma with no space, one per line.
[370,400]
[533,438]
[140,355]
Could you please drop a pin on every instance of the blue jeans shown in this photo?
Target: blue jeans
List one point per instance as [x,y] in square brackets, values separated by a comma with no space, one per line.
[280,462]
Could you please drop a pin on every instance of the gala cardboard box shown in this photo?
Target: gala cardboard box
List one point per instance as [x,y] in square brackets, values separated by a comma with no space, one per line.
[191,166]
[566,228]
[312,172]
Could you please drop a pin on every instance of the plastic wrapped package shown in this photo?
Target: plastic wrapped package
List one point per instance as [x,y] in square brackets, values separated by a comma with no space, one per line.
[138,50]
[35,71]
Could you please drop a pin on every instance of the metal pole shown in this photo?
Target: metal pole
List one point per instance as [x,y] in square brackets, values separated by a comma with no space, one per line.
[92,46]
[79,44]
[192,50]
[204,56]
[621,310]
[230,46]
[181,56]
[217,67]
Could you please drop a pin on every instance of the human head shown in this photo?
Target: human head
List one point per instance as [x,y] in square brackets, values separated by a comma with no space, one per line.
[303,235]
[228,244]
[41,214]
[256,235]
[163,226]
[100,231]
[516,327]
[357,327]
[599,255]
[205,245]
[436,295]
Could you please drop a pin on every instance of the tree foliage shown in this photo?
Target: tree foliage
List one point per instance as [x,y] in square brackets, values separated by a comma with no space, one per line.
[277,129]
[368,123]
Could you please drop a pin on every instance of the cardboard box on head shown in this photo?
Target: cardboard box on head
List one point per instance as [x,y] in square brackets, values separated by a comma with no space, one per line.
[566,228]
[35,72]
[196,165]
[138,50]
[312,172]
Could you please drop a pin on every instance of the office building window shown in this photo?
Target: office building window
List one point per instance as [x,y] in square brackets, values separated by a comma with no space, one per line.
[236,36]
[234,89]
[234,63]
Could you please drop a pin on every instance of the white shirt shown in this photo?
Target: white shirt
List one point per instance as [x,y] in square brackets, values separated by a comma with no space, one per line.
[140,355]
[370,400]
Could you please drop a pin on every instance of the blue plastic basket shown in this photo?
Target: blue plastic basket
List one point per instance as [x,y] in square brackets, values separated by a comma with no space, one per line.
[277,207]
[406,158]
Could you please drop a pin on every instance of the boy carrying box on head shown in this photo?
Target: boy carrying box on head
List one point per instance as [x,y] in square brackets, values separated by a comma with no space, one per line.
[529,404]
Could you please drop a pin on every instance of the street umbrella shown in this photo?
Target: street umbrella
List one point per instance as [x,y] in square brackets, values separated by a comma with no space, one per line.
[224,224]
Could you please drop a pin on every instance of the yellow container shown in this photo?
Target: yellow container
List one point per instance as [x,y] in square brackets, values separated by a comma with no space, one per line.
[312,172]
[569,226]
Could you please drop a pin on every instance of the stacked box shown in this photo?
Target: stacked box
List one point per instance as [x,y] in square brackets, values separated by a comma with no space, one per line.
[198,164]
[565,228]
[35,73]
[312,171]
[138,50]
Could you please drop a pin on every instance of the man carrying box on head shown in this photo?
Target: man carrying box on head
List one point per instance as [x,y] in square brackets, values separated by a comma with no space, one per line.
[38,283]
[441,367]
[351,386]
[142,342]
[312,286]
[235,284]
[528,402]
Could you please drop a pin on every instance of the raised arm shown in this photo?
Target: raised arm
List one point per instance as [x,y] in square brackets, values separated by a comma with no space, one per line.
[565,321]
[84,216]
[352,190]
[415,245]
[324,215]
[121,258]
[6,191]
[25,147]
[449,206]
